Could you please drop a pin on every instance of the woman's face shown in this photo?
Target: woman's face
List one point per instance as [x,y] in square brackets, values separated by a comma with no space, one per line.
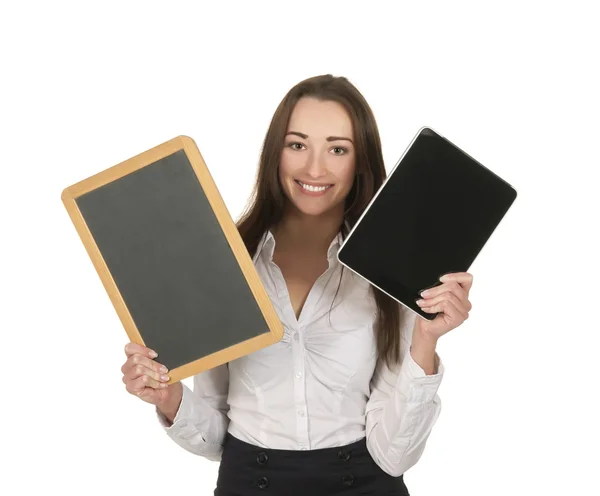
[318,157]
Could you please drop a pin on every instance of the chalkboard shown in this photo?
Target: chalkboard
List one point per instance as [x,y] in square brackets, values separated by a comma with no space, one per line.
[171,259]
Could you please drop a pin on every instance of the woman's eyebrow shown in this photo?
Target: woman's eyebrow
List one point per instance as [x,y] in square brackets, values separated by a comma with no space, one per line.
[330,138]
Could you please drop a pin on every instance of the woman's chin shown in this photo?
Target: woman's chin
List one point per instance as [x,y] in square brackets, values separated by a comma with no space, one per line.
[313,210]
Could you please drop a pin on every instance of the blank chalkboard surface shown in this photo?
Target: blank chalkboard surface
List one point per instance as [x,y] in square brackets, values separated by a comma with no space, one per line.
[171,259]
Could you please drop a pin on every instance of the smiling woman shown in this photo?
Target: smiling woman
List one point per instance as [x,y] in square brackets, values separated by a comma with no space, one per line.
[347,399]
[315,164]
[322,134]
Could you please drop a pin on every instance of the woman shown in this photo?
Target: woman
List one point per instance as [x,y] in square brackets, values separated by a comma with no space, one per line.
[347,399]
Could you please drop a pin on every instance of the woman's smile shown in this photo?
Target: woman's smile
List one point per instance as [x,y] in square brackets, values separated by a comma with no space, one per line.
[313,189]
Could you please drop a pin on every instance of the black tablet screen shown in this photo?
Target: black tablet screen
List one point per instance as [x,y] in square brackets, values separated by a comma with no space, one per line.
[432,216]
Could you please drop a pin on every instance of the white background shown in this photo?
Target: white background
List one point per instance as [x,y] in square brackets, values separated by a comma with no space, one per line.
[87,85]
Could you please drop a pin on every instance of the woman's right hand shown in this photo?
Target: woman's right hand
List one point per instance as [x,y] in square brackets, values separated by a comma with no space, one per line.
[146,378]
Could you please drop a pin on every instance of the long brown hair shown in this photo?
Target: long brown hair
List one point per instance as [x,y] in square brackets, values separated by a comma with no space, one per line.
[266,205]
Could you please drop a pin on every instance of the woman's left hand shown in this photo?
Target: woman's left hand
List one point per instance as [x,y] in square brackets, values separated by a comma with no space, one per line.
[451,299]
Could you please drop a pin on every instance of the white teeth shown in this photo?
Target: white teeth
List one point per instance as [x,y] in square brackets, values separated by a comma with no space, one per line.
[313,188]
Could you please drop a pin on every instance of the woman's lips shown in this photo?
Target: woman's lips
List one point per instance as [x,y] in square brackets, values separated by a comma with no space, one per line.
[312,193]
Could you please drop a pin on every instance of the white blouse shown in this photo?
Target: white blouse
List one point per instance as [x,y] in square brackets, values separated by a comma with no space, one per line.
[321,386]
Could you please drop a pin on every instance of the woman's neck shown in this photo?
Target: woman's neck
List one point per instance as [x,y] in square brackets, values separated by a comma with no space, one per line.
[307,232]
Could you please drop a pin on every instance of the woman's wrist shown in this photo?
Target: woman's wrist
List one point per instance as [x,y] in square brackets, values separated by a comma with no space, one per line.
[422,351]
[170,406]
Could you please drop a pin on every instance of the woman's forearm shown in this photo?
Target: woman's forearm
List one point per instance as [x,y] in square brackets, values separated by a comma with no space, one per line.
[423,352]
[170,406]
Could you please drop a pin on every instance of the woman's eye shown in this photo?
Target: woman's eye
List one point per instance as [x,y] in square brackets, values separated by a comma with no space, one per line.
[296,146]
[340,150]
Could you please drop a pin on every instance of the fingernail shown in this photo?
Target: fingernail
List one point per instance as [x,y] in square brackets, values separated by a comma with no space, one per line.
[445,278]
[163,369]
[153,354]
[420,302]
[164,377]
[425,293]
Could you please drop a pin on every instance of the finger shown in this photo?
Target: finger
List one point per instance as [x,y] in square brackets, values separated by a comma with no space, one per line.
[138,359]
[459,292]
[465,279]
[461,304]
[137,386]
[448,308]
[452,286]
[139,369]
[132,348]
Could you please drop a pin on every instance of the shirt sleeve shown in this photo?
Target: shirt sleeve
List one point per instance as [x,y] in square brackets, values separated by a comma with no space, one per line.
[201,422]
[403,407]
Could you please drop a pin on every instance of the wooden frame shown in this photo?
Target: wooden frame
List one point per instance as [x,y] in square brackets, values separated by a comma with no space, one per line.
[228,226]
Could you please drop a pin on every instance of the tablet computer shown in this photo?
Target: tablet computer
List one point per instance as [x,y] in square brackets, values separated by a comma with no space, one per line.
[432,215]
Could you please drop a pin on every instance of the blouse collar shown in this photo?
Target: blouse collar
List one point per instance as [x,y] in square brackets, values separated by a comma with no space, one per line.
[267,245]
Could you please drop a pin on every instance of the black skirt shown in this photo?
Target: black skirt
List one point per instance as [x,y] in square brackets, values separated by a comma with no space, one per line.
[248,470]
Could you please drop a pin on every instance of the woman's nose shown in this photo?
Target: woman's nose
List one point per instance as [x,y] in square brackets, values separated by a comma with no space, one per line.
[316,166]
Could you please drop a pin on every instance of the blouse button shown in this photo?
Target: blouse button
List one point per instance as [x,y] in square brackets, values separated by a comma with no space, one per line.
[298,375]
[262,458]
